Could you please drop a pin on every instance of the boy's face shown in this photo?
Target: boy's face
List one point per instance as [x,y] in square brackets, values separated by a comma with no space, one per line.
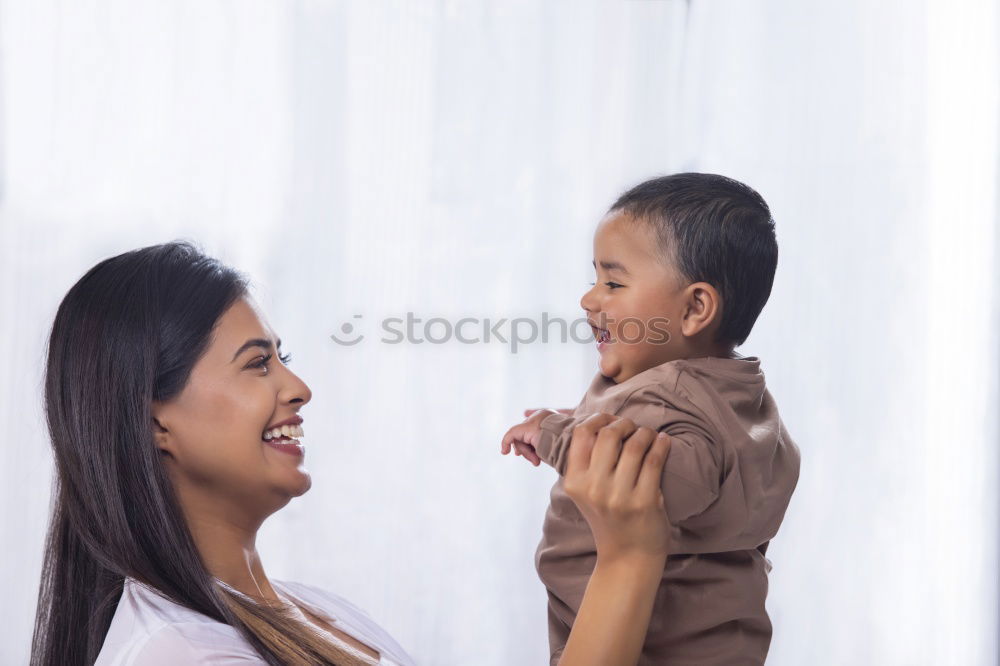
[637,300]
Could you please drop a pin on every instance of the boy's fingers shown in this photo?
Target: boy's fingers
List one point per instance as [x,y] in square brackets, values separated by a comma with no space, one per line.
[528,452]
[508,439]
[584,436]
[651,473]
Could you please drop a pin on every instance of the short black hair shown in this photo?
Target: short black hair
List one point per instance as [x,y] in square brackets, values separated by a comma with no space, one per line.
[718,231]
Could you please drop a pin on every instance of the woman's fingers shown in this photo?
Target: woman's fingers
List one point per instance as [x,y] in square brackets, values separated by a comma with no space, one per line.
[651,473]
[529,412]
[613,476]
[584,438]
[608,448]
[633,451]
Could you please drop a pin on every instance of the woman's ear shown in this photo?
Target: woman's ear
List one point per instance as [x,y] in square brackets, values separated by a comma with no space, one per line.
[702,306]
[161,435]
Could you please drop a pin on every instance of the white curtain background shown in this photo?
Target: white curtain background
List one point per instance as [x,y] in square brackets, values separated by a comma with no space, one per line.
[451,159]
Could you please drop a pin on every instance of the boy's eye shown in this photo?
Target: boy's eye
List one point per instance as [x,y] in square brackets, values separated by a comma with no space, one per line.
[613,285]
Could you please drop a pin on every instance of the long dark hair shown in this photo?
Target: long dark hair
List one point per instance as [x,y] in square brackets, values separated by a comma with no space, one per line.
[128,333]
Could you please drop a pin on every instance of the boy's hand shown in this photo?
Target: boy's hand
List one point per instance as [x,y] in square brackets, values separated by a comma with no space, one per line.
[523,437]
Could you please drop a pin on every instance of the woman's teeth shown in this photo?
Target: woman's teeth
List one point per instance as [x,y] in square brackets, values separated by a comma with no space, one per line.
[284,431]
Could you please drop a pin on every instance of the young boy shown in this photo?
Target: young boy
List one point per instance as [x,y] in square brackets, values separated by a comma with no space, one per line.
[684,264]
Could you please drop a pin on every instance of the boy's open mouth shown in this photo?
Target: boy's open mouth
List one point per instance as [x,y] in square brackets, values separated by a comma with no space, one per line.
[602,335]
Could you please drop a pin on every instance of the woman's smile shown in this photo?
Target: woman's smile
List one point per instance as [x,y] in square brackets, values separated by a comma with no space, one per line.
[285,436]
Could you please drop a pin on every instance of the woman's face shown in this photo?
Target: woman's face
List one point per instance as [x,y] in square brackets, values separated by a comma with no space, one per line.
[211,435]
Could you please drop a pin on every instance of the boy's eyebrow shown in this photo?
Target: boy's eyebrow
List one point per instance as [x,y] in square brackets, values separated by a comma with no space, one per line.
[612,266]
[255,342]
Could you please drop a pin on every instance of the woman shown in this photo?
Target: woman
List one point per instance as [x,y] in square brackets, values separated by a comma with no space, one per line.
[175,436]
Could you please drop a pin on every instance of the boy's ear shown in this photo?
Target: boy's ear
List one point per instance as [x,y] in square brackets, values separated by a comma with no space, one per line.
[702,307]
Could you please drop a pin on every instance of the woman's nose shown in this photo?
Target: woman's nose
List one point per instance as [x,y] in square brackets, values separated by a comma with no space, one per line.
[297,391]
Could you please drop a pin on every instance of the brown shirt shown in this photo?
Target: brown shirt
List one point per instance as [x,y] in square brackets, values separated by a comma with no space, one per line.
[726,484]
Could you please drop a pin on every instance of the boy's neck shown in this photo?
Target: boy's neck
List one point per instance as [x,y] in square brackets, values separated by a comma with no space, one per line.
[713,351]
[716,350]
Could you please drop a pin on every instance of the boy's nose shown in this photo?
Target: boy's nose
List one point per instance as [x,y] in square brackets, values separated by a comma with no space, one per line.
[587,301]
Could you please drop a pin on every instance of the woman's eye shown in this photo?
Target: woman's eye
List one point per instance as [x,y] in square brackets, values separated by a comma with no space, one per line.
[262,363]
[264,360]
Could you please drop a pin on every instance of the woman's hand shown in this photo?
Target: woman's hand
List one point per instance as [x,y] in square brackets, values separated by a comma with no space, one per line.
[613,475]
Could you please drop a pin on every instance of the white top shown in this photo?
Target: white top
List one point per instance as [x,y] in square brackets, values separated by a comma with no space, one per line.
[150,630]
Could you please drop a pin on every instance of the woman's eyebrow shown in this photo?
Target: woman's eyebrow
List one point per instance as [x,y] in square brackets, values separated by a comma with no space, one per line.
[255,342]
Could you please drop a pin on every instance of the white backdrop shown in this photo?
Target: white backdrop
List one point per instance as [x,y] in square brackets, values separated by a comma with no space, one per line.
[451,159]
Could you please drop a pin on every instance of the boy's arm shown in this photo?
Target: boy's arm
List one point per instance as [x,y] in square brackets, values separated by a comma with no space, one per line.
[692,474]
[555,434]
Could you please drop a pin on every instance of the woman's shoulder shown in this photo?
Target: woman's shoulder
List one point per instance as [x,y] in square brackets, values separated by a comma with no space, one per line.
[349,617]
[150,630]
[329,601]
